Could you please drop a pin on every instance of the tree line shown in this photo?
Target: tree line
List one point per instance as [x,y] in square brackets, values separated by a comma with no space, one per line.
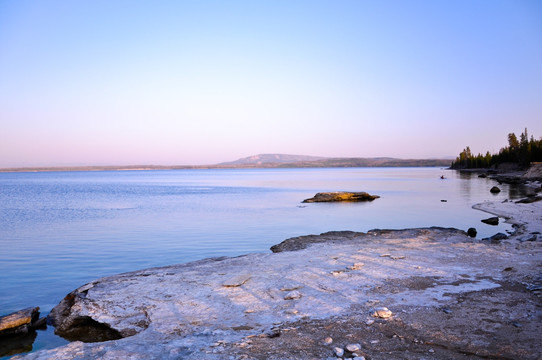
[522,152]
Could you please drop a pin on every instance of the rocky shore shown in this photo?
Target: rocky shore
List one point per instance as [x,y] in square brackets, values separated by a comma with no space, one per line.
[429,293]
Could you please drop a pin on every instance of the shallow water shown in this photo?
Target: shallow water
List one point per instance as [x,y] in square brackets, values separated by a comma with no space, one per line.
[60,230]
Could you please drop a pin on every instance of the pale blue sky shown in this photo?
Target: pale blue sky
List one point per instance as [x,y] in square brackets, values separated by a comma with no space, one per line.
[106,82]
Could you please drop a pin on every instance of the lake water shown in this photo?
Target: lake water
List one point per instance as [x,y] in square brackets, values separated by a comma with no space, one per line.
[60,230]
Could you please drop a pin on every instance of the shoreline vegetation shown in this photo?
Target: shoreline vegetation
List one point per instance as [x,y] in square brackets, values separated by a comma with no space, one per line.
[264,161]
[518,155]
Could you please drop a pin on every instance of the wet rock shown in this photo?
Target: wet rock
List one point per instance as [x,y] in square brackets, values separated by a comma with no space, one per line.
[528,237]
[529,200]
[341,196]
[495,190]
[381,312]
[497,237]
[472,232]
[20,322]
[491,221]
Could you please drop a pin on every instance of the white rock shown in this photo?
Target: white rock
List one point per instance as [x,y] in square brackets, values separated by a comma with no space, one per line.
[338,351]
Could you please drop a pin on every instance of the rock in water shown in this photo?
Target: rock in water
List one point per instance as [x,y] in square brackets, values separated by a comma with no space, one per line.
[341,196]
[491,221]
[20,322]
[472,232]
[495,190]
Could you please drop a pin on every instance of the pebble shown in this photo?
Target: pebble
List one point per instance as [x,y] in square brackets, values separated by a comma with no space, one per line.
[356,266]
[293,295]
[338,351]
[328,340]
[353,347]
[359,358]
[381,312]
[431,351]
[369,322]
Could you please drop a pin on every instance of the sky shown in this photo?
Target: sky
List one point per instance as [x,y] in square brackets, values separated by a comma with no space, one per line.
[130,82]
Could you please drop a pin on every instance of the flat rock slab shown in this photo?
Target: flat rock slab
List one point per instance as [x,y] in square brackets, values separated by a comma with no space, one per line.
[282,305]
[341,196]
[20,322]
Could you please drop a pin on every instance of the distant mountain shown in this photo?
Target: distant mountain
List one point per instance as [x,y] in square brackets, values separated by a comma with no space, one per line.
[292,161]
[261,159]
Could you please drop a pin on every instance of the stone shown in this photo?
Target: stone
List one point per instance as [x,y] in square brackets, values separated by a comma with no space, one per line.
[328,341]
[381,312]
[338,351]
[497,237]
[341,196]
[293,295]
[495,190]
[472,232]
[491,221]
[528,237]
[353,347]
[20,322]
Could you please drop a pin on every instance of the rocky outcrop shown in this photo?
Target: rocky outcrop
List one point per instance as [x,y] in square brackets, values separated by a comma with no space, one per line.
[341,196]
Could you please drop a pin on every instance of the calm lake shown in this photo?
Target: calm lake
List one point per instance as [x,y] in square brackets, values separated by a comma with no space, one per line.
[60,230]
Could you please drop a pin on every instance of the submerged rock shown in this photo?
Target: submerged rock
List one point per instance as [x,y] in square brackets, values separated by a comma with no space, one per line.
[341,196]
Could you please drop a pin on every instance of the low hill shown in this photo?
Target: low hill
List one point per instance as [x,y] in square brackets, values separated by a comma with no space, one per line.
[282,161]
[272,158]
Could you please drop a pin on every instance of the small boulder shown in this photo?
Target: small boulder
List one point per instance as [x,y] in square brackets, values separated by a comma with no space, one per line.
[491,221]
[472,232]
[495,190]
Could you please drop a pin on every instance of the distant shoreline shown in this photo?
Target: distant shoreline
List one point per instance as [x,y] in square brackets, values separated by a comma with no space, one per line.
[322,163]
